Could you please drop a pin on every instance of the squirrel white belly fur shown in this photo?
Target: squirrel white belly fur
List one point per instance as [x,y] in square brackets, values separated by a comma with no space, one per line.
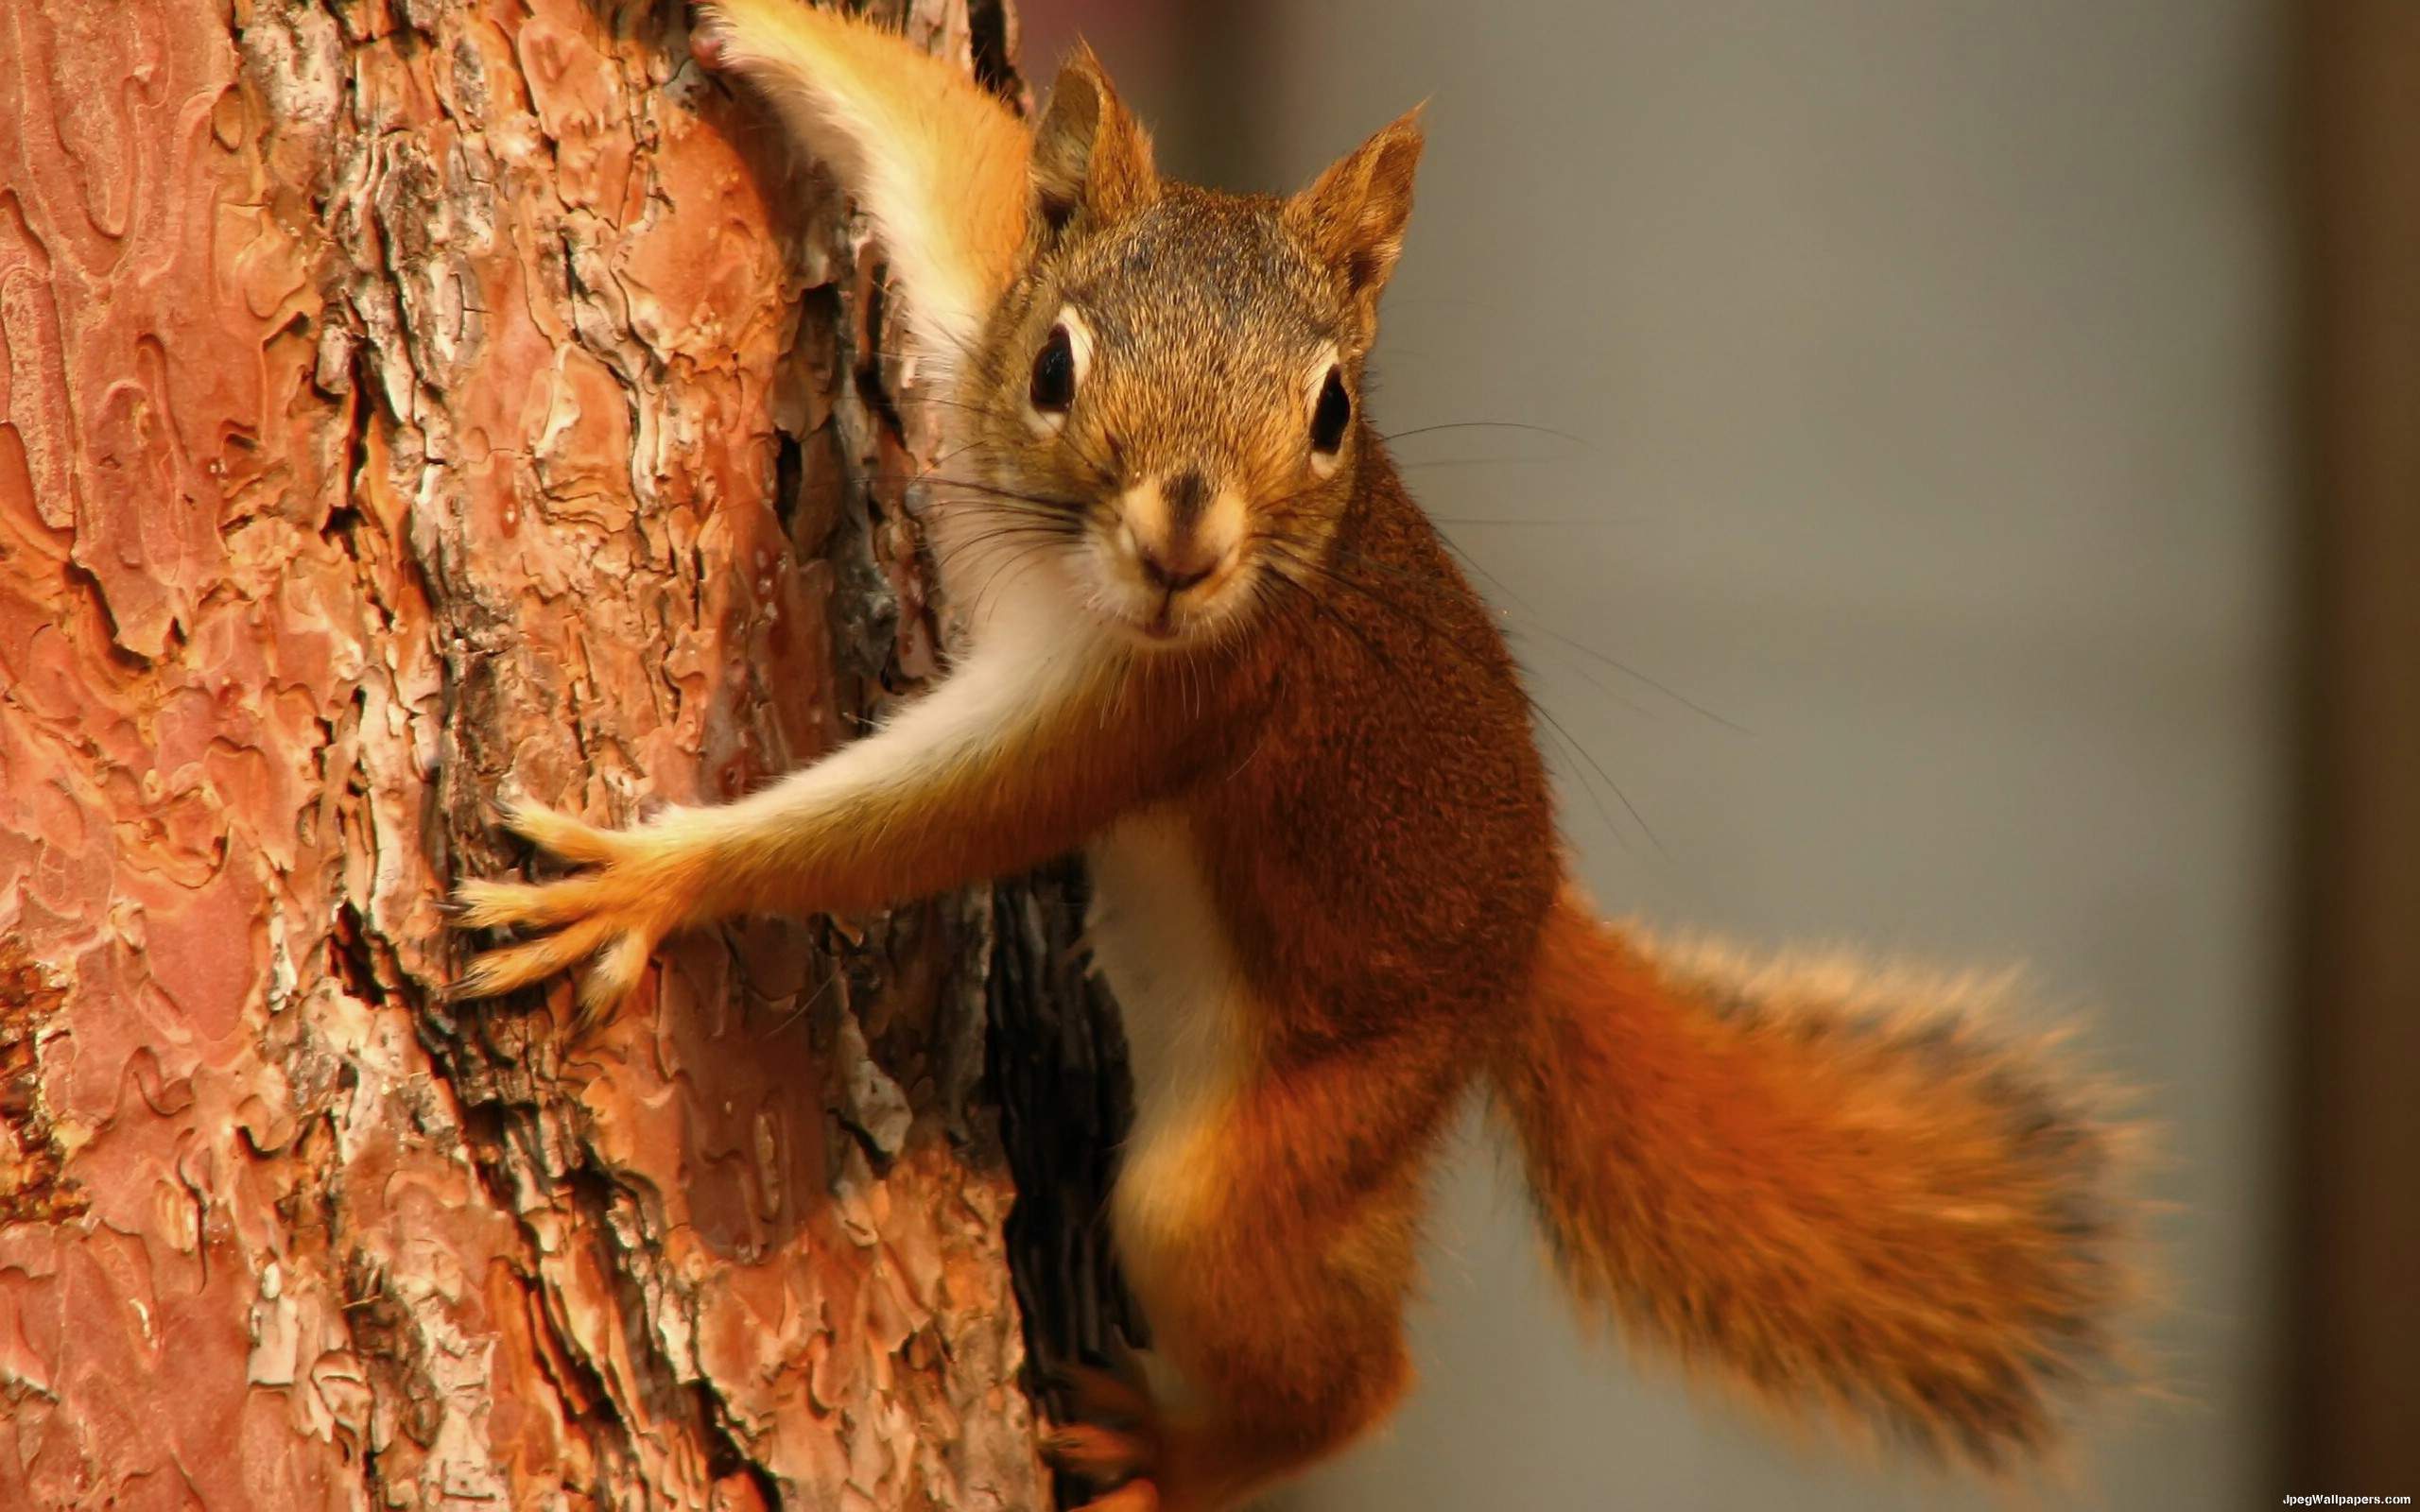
[1155,935]
[1215,647]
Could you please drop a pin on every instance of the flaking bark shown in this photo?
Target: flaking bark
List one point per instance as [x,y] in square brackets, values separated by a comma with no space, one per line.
[406,401]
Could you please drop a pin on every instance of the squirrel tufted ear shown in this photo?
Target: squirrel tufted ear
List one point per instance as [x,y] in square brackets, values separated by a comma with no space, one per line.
[1089,155]
[1354,214]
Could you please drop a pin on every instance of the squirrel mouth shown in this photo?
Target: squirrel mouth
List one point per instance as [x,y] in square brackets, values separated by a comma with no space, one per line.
[1159,624]
[1160,616]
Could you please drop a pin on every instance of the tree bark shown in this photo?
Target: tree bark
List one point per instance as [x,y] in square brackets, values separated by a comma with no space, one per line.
[409,401]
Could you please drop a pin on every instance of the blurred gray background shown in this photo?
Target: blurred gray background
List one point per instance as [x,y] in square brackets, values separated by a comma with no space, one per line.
[1918,569]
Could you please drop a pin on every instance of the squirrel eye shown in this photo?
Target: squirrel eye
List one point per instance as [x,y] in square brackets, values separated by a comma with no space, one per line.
[1054,373]
[1331,414]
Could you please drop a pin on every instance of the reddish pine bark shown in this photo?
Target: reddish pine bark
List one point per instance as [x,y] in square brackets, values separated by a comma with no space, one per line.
[409,401]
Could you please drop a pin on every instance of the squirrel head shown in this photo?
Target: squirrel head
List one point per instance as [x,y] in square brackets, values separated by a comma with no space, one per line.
[1168,397]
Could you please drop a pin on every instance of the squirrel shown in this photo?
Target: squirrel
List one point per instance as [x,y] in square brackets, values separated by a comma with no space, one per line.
[1213,643]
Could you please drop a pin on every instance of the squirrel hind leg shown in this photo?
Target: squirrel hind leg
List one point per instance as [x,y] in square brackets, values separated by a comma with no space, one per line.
[1099,1454]
[1109,1432]
[1278,1300]
[1216,1458]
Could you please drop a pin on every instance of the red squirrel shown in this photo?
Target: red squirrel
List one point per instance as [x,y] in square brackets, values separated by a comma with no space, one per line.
[1213,643]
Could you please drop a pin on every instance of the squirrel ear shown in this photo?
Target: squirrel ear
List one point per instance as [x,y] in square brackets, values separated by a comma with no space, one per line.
[1354,214]
[1089,155]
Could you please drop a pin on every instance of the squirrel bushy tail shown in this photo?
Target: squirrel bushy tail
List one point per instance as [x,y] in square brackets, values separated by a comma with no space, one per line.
[1829,1187]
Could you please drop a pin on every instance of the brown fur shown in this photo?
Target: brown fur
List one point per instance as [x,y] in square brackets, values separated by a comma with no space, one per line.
[1794,1179]
[1827,1186]
[1382,860]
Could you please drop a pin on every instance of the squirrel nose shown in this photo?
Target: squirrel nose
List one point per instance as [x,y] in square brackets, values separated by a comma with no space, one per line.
[1175,572]
[1178,531]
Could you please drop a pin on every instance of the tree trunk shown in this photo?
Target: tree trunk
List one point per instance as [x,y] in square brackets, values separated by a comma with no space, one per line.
[409,401]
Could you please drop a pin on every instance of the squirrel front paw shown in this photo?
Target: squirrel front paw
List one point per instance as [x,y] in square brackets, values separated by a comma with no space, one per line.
[710,42]
[633,893]
[721,31]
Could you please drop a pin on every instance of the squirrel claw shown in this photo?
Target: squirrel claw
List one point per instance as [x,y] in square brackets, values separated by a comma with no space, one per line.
[560,836]
[1097,1454]
[610,915]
